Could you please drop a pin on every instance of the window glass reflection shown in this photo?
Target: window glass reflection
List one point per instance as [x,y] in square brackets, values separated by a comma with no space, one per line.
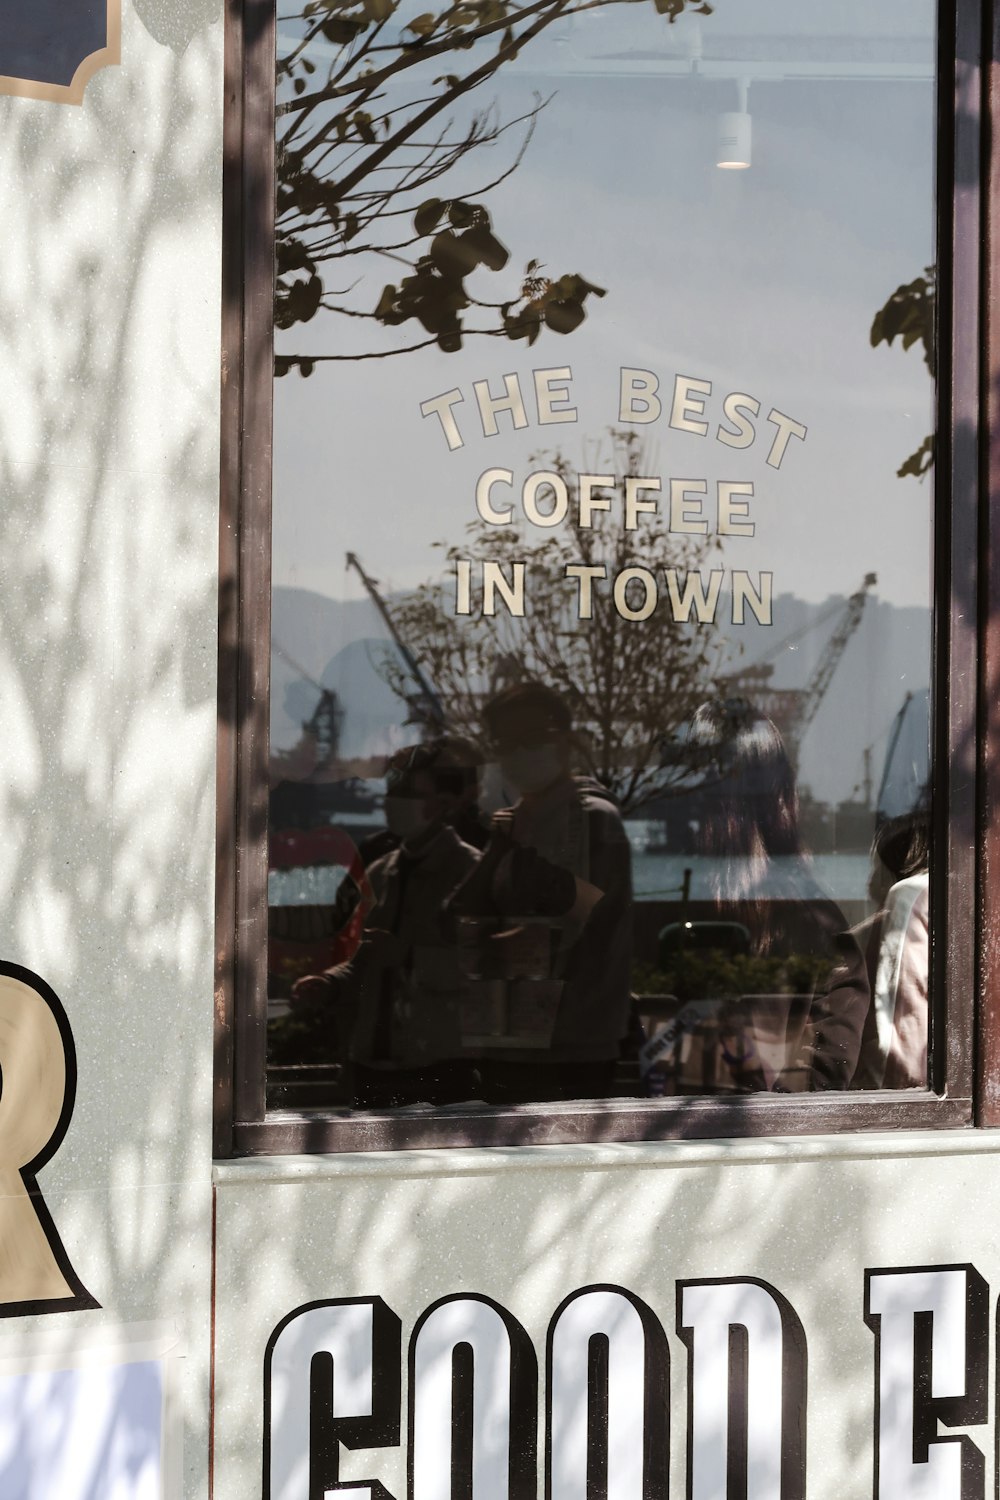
[603,478]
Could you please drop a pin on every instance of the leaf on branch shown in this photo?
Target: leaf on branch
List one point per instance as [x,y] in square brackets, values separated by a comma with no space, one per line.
[909,315]
[291,255]
[423,25]
[452,255]
[920,463]
[507,42]
[362,121]
[672,9]
[342,30]
[564,315]
[484,243]
[285,363]
[308,193]
[297,301]
[462,214]
[388,311]
[559,304]
[490,11]
[428,215]
[379,10]
[524,324]
[578,287]
[450,80]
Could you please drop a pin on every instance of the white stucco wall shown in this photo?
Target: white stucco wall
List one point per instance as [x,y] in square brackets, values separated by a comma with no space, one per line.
[109,462]
[527,1228]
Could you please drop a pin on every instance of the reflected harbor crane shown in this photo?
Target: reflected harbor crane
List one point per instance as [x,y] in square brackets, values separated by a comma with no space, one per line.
[794,709]
[425,705]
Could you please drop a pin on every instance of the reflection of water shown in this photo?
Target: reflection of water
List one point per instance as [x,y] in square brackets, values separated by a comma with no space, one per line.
[659,876]
[655,877]
[313,886]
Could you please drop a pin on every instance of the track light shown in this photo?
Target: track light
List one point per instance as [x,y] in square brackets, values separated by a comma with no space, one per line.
[733,135]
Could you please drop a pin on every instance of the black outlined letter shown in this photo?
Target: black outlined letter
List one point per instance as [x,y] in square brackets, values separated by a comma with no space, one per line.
[931,1352]
[331,1376]
[607,1399]
[746,1390]
[473,1403]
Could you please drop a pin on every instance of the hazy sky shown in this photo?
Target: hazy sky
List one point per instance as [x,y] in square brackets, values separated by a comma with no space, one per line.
[763,281]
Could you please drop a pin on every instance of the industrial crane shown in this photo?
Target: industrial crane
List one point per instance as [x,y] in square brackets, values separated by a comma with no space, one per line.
[793,709]
[327,718]
[425,705]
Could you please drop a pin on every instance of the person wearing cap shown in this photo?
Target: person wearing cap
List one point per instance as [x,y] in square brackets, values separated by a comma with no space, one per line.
[580,863]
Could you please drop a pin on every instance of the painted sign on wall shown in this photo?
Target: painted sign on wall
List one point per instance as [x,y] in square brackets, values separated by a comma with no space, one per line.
[37,1093]
[333,1377]
[51,49]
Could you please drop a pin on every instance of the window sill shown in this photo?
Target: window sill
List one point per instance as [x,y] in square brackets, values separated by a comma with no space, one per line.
[677,1122]
[907,1144]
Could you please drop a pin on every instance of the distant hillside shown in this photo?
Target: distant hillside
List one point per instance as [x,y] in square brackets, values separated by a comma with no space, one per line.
[338,643]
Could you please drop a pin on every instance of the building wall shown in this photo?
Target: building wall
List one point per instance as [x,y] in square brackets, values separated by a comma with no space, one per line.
[528,1228]
[109,463]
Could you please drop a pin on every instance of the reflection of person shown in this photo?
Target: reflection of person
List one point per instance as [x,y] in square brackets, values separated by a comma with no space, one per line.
[456,800]
[764,882]
[399,994]
[894,1050]
[564,883]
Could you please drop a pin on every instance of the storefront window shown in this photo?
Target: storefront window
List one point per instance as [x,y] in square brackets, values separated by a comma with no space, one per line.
[601,611]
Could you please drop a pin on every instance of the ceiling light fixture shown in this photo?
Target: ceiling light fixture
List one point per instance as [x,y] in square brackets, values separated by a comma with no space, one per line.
[733,135]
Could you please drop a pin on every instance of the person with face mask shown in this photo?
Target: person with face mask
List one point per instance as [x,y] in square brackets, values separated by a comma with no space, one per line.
[399,995]
[561,897]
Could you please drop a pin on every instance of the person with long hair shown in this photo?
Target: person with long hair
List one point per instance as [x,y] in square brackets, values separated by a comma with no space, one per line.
[794,1037]
[897,954]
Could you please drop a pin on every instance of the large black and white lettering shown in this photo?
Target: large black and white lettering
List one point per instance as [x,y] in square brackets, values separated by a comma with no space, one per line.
[931,1354]
[746,1390]
[607,1399]
[331,1376]
[473,1404]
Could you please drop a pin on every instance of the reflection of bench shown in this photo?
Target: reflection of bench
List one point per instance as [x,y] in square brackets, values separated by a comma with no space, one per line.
[702,1046]
[699,937]
[308,1086]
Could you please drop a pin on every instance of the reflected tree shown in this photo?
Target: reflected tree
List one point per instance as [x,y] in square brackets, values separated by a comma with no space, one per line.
[631,685]
[372,122]
[910,316]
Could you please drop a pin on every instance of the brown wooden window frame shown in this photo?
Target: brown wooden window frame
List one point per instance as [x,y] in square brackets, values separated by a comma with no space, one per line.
[965,941]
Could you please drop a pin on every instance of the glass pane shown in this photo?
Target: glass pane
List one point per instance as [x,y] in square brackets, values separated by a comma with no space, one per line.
[603,475]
